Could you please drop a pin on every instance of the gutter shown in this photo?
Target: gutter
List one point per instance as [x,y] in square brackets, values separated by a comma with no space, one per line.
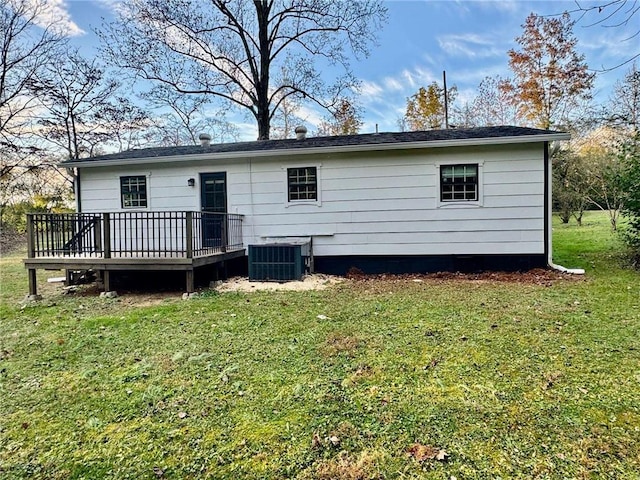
[212,156]
[548,195]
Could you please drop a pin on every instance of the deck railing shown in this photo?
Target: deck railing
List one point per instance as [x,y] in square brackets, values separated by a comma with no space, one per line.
[133,234]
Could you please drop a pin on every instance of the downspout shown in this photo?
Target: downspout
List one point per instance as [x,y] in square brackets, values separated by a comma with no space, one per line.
[549,214]
[75,176]
[252,220]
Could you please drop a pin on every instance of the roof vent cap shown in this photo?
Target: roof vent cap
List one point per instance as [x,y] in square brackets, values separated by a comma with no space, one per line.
[301,132]
[205,139]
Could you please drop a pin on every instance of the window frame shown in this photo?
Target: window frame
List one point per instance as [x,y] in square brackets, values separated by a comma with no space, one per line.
[142,194]
[287,183]
[459,203]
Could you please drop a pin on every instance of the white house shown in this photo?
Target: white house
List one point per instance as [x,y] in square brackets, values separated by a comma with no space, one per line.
[454,199]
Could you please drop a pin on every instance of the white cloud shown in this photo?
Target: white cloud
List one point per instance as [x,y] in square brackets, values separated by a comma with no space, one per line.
[393,84]
[370,89]
[54,14]
[247,131]
[469,45]
[507,6]
[310,115]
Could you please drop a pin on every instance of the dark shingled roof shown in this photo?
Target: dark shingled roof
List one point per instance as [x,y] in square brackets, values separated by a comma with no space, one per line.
[319,142]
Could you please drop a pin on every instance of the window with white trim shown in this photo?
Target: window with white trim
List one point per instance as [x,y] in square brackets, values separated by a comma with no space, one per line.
[459,183]
[133,191]
[302,183]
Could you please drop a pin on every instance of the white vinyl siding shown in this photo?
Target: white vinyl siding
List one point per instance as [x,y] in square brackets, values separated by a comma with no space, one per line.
[375,203]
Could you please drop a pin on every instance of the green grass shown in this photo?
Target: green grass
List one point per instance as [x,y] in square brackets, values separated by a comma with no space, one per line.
[513,380]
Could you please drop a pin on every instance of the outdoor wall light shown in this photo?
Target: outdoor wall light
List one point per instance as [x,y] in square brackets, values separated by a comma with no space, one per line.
[191,182]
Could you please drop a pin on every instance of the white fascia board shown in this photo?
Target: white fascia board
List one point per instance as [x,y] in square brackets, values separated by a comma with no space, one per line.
[212,156]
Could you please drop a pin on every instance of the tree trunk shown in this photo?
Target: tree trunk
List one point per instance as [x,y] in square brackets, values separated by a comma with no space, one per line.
[262,87]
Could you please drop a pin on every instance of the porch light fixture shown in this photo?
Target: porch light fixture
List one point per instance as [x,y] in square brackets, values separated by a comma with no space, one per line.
[191,182]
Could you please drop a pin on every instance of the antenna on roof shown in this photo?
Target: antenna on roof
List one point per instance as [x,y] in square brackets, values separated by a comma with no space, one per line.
[446,100]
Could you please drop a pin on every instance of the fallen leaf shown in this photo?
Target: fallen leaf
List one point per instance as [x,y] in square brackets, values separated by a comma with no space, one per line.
[335,441]
[426,452]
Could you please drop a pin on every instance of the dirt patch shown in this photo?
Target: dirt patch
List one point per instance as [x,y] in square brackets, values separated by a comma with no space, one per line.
[337,343]
[358,280]
[309,282]
[538,276]
[125,297]
[347,466]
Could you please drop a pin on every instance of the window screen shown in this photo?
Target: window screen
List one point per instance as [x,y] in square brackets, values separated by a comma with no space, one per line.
[458,183]
[133,191]
[302,183]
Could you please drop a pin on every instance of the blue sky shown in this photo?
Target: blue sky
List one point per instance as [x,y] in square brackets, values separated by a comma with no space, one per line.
[467,38]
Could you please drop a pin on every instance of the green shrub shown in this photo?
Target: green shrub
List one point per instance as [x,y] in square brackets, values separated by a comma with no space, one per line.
[14,217]
[630,153]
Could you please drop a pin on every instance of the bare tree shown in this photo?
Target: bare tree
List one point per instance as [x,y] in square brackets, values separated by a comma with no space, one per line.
[625,101]
[83,110]
[124,124]
[26,47]
[612,14]
[231,50]
[184,118]
[35,180]
[492,105]
[286,119]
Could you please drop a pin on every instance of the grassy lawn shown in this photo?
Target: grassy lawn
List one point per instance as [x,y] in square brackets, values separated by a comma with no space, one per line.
[511,379]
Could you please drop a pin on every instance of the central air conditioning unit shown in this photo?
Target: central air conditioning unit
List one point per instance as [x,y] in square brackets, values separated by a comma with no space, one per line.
[281,261]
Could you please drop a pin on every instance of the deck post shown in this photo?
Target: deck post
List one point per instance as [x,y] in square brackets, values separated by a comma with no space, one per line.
[223,240]
[190,281]
[189,238]
[106,228]
[97,235]
[106,280]
[33,286]
[31,241]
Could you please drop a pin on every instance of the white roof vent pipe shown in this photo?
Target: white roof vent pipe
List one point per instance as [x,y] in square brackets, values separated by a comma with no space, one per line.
[301,132]
[205,139]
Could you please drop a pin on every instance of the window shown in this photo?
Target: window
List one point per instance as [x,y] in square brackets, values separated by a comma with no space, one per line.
[133,191]
[458,183]
[302,183]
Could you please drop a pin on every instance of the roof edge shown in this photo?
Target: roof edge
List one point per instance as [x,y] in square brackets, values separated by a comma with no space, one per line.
[558,136]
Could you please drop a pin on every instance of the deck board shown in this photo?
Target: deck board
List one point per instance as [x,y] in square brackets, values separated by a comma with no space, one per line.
[129,263]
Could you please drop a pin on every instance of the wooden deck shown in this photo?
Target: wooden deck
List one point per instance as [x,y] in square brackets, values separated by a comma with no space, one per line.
[107,242]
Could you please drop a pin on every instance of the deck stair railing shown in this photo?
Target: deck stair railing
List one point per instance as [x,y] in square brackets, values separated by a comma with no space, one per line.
[169,234]
[87,236]
[64,234]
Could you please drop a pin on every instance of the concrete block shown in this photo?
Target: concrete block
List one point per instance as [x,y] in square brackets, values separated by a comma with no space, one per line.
[32,298]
